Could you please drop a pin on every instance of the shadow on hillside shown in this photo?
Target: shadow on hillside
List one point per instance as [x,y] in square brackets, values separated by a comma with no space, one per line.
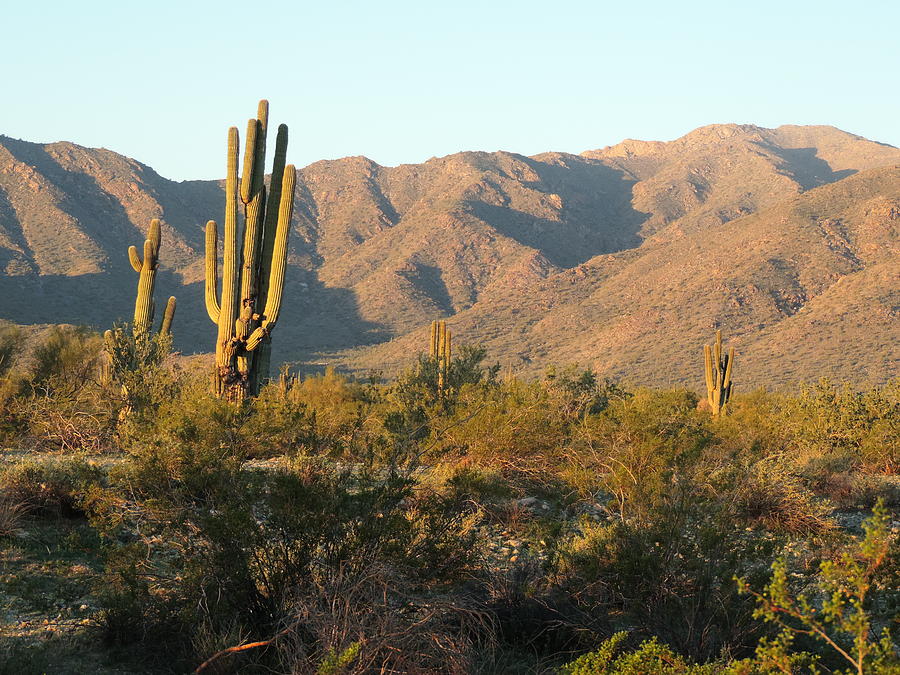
[188,205]
[316,319]
[11,228]
[430,280]
[96,300]
[596,216]
[313,319]
[809,170]
[99,213]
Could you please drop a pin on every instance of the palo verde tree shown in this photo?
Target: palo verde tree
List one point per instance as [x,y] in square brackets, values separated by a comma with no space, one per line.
[252,275]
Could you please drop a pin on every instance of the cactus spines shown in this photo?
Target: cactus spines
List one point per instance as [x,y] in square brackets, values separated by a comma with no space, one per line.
[252,275]
[146,269]
[441,351]
[718,376]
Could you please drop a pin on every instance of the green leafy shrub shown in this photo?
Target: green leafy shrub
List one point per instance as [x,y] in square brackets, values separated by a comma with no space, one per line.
[650,658]
[840,612]
[828,420]
[55,487]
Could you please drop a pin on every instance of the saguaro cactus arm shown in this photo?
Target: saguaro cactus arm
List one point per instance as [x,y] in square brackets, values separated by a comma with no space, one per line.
[134,258]
[166,327]
[212,271]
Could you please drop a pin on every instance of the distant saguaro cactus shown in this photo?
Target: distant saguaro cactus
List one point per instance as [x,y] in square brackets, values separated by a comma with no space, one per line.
[441,352]
[144,306]
[252,276]
[718,375]
[128,354]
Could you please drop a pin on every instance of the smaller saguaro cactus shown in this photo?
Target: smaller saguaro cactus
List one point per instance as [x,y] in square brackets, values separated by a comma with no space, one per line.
[718,375]
[441,351]
[127,354]
[144,306]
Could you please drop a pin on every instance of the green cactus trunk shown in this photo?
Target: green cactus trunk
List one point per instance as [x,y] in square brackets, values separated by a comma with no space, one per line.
[252,281]
[718,376]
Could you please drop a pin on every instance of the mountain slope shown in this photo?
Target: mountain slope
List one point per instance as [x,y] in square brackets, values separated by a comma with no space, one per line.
[808,287]
[624,257]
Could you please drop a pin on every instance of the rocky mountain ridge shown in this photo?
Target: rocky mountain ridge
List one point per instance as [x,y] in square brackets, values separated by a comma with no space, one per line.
[624,258]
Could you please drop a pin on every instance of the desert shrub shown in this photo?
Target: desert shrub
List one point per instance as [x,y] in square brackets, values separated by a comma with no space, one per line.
[11,342]
[55,487]
[188,446]
[770,494]
[842,610]
[650,658]
[343,412]
[830,420]
[70,421]
[653,658]
[367,615]
[419,385]
[12,512]
[277,425]
[639,448]
[671,577]
[133,367]
[532,614]
[513,426]
[66,359]
[246,550]
[60,403]
[578,392]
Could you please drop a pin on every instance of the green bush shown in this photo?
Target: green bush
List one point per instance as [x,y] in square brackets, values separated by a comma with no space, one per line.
[54,487]
[830,420]
[640,447]
[650,658]
[841,612]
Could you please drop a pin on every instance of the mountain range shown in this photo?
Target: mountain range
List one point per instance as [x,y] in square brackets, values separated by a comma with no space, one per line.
[625,259]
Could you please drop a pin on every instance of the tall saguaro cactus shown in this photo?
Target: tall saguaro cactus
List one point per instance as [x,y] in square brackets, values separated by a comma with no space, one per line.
[144,306]
[253,268]
[441,351]
[718,375]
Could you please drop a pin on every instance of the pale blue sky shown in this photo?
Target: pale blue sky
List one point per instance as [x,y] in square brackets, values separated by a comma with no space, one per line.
[403,81]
